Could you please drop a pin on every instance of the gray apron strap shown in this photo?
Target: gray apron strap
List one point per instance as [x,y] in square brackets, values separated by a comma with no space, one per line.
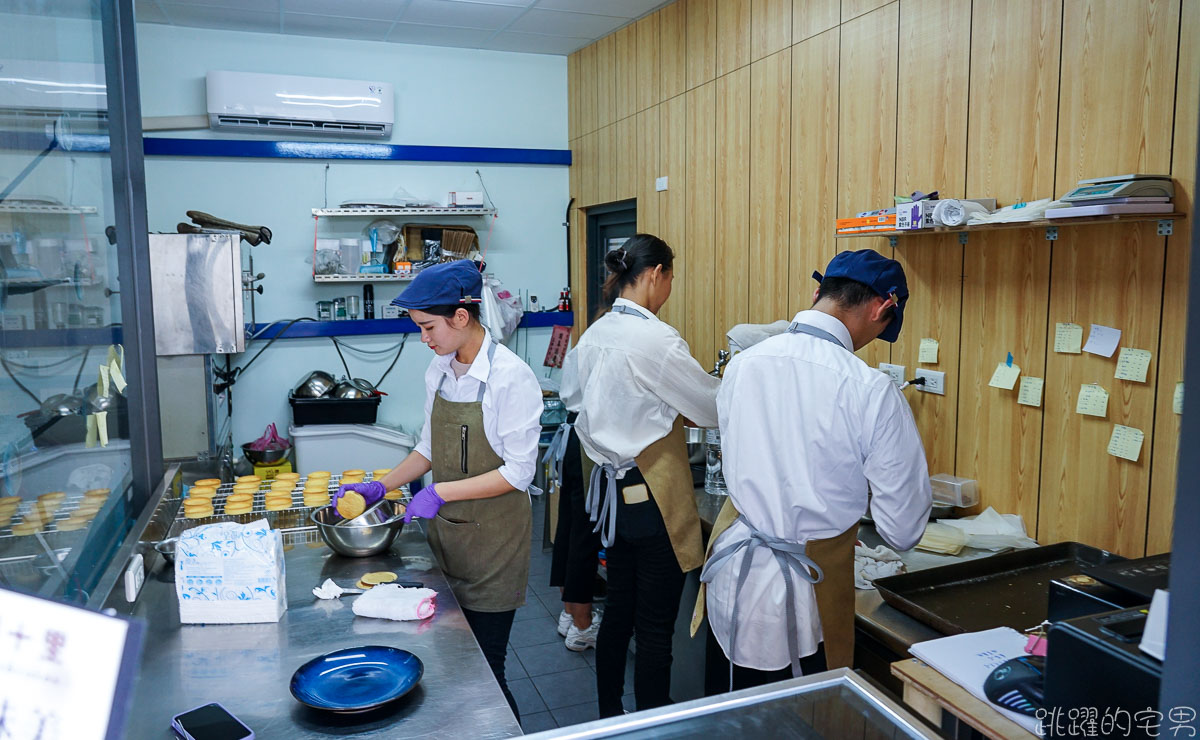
[790,556]
[491,354]
[797,328]
[603,512]
[629,311]
[556,452]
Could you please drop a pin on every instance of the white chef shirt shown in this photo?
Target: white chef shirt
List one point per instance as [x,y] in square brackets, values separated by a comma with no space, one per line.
[805,426]
[629,378]
[512,407]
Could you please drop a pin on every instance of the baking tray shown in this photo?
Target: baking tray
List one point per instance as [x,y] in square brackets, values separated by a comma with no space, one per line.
[1006,590]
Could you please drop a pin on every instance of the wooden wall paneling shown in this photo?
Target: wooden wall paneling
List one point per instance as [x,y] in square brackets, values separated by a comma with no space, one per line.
[625,160]
[702,269]
[672,203]
[770,165]
[573,174]
[648,91]
[770,27]
[606,81]
[814,162]
[573,124]
[701,41]
[732,205]
[1112,53]
[673,49]
[852,9]
[733,35]
[1171,349]
[588,163]
[1115,53]
[811,17]
[578,276]
[606,164]
[931,150]
[1006,274]
[648,167]
[867,128]
[625,71]
[587,89]
[1109,275]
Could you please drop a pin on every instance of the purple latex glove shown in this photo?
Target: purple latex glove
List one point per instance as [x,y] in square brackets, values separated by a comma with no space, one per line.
[371,492]
[424,505]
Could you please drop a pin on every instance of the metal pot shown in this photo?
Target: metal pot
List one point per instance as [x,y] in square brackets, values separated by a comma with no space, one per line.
[694,437]
[314,385]
[96,403]
[62,404]
[354,388]
[358,541]
[264,457]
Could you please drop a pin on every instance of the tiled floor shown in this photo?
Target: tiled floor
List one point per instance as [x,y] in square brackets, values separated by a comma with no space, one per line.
[553,686]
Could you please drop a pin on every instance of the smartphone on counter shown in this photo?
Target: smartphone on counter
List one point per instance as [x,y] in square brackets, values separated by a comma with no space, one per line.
[210,722]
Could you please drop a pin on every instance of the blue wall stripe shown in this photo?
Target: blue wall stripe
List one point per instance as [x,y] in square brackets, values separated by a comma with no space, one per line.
[171,147]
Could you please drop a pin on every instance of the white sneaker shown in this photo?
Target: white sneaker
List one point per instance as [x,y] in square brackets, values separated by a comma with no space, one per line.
[564,623]
[580,640]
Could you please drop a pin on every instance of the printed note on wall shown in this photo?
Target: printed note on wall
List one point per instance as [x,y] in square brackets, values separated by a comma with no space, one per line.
[1068,338]
[1126,442]
[928,352]
[1133,364]
[1093,401]
[1005,376]
[1102,340]
[1031,391]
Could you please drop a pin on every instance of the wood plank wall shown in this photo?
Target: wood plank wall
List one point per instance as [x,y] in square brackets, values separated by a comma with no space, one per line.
[771,118]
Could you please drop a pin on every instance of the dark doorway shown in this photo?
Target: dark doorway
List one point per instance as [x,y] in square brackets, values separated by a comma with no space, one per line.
[608,226]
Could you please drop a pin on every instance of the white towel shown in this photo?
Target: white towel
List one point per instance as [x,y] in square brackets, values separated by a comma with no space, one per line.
[390,601]
[872,564]
[952,212]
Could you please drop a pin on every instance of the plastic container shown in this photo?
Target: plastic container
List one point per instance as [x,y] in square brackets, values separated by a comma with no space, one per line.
[714,478]
[954,491]
[342,446]
[351,256]
[334,411]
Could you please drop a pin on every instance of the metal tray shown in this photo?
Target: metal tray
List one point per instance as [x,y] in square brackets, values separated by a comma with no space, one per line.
[1006,590]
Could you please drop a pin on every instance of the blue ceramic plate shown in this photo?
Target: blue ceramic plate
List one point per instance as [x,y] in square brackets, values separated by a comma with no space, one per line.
[356,679]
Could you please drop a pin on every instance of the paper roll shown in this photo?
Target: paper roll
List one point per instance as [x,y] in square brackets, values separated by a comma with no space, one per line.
[951,212]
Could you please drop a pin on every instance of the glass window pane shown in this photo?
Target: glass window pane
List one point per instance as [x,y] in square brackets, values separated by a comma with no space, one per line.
[64,406]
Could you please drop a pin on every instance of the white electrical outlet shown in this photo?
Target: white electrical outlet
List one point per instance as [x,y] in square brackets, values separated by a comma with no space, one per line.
[660,183]
[935,381]
[135,576]
[895,372]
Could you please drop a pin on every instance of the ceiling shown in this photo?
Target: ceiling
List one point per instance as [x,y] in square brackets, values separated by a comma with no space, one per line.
[534,26]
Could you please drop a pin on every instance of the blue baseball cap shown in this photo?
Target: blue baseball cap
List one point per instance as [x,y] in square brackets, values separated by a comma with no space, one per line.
[882,274]
[446,284]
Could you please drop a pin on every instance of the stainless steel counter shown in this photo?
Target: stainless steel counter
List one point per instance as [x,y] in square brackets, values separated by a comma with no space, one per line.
[247,667]
[890,626]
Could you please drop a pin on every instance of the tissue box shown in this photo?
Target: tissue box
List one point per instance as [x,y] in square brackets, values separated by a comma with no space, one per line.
[465,198]
[230,573]
[917,215]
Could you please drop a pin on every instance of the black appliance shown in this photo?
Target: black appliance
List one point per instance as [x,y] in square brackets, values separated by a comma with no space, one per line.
[1093,665]
[1107,586]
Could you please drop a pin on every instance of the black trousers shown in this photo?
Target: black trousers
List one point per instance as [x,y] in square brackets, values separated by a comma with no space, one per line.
[644,588]
[716,669]
[573,565]
[491,630]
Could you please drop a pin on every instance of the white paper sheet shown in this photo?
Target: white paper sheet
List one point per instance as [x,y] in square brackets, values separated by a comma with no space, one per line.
[1102,340]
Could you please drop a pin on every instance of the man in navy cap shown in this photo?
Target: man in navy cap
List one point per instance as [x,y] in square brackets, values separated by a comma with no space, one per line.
[806,427]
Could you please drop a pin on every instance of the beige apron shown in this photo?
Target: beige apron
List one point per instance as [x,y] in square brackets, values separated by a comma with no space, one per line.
[482,545]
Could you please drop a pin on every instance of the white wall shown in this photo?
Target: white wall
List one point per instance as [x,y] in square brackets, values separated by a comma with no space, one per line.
[447,97]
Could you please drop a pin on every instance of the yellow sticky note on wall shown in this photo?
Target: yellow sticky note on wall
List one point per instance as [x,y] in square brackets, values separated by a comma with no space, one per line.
[1068,338]
[1177,399]
[1005,376]
[1133,364]
[1126,442]
[928,352]
[92,434]
[1093,401]
[1031,391]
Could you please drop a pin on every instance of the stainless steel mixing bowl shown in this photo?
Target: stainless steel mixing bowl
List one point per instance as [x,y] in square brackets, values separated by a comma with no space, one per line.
[358,541]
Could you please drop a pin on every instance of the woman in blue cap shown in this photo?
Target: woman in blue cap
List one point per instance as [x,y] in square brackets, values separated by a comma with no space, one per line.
[806,427]
[483,408]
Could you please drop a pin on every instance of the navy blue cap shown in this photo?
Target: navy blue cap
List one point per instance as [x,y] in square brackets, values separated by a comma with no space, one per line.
[883,275]
[446,284]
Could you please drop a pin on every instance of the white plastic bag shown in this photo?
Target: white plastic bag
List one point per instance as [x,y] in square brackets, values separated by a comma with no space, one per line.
[501,311]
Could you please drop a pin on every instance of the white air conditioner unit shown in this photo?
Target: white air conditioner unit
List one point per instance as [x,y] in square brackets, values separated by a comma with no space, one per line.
[33,92]
[248,101]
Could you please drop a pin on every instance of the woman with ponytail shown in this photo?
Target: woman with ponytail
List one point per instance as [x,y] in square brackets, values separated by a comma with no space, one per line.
[633,380]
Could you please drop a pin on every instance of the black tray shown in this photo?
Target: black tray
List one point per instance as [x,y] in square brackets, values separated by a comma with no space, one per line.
[1006,590]
[334,410]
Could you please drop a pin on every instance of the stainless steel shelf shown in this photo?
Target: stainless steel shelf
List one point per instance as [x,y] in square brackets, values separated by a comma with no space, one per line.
[439,211]
[361,278]
[48,210]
